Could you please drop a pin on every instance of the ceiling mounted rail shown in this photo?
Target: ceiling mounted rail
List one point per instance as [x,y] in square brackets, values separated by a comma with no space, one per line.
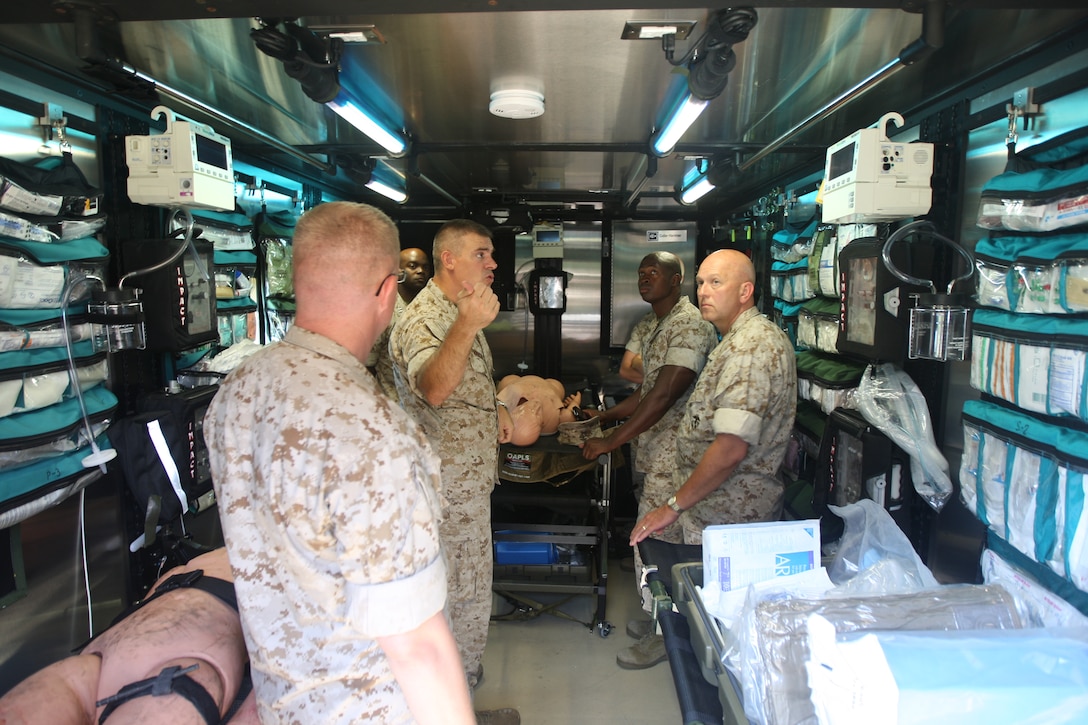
[932,37]
[87,30]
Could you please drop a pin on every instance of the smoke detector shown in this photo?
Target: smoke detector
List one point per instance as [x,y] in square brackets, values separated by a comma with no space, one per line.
[517,103]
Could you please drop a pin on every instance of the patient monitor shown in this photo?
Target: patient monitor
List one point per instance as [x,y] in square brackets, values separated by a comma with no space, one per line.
[188,164]
[868,178]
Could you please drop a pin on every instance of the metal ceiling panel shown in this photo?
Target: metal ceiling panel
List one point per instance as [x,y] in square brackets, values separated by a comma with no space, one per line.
[435,71]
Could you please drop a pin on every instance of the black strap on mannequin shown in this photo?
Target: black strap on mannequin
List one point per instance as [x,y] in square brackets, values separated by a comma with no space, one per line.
[171,681]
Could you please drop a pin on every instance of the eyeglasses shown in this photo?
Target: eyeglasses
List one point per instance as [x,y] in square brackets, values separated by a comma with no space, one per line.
[400,277]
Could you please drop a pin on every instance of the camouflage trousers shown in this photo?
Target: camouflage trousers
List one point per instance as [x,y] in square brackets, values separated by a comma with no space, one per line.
[466,540]
[656,490]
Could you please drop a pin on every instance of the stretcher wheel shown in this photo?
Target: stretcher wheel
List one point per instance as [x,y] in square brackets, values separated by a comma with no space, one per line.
[604,629]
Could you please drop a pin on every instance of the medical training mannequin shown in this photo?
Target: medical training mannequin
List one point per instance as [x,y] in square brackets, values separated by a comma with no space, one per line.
[537,406]
[185,626]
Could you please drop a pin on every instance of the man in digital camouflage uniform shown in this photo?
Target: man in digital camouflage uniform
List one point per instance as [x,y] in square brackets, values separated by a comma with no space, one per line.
[736,427]
[327,493]
[415,268]
[675,341]
[445,378]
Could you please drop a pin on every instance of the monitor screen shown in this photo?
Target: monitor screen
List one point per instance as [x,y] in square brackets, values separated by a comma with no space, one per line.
[842,161]
[211,152]
[548,236]
[551,295]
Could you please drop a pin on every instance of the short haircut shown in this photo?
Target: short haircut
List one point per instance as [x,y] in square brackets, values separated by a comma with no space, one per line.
[450,234]
[344,239]
[667,261]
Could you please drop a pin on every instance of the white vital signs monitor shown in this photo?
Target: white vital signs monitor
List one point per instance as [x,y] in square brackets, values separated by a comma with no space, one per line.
[868,178]
[188,164]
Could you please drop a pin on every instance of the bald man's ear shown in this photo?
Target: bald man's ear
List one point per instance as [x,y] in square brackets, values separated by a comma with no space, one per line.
[747,290]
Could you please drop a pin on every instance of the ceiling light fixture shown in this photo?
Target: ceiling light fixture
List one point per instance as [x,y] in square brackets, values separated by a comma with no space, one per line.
[388,182]
[696,183]
[677,123]
[314,62]
[708,61]
[703,178]
[351,110]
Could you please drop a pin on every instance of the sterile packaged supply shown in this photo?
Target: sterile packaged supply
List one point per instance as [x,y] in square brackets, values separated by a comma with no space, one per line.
[1036,605]
[774,638]
[1037,363]
[790,282]
[727,606]
[736,555]
[1033,274]
[1027,479]
[978,677]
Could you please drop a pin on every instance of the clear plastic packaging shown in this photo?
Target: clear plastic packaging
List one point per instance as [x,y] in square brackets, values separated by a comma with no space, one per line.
[892,402]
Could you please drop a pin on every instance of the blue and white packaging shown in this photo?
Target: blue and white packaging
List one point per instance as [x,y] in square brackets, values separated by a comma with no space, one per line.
[736,555]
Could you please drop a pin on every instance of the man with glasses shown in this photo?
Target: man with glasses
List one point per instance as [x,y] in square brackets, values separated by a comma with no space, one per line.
[328,499]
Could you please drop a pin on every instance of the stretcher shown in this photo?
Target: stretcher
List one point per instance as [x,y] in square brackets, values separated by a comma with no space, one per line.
[705,691]
[550,520]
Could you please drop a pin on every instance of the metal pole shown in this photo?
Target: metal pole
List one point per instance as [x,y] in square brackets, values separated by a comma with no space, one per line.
[850,94]
[236,123]
[439,190]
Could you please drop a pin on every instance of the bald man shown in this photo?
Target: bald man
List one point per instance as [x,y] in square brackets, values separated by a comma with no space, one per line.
[673,341]
[733,436]
[415,270]
[329,500]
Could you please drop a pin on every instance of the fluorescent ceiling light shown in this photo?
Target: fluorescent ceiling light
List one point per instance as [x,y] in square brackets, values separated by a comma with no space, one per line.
[388,182]
[696,189]
[389,192]
[349,109]
[683,115]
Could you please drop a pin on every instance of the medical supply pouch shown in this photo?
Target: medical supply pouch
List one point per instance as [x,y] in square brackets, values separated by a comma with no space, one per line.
[22,485]
[785,316]
[279,316]
[237,321]
[188,408]
[789,282]
[234,274]
[55,430]
[47,229]
[36,378]
[828,381]
[27,329]
[227,231]
[33,274]
[1035,362]
[1033,273]
[154,456]
[818,325]
[789,246]
[823,263]
[276,224]
[1044,188]
[49,187]
[1027,479]
[178,299]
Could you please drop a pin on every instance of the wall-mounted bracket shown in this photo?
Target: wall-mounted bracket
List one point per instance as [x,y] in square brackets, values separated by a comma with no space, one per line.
[1023,106]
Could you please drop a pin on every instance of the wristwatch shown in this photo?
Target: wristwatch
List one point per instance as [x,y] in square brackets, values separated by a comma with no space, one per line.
[671,503]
